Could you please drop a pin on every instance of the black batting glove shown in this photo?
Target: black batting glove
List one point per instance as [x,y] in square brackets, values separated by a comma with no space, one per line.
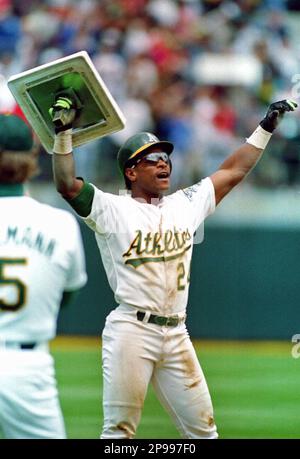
[276,112]
[63,113]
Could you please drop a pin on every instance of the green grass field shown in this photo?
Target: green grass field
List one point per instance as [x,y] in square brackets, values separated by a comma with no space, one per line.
[254,387]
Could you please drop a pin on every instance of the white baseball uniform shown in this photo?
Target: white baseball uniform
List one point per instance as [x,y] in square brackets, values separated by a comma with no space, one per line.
[146,251]
[41,256]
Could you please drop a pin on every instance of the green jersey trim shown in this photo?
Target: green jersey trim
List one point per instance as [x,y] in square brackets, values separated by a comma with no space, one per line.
[11,189]
[82,203]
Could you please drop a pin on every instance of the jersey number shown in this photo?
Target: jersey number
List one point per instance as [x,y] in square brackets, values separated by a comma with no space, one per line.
[12,281]
[181,276]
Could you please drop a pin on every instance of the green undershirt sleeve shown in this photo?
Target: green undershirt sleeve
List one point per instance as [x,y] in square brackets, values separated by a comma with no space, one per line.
[82,203]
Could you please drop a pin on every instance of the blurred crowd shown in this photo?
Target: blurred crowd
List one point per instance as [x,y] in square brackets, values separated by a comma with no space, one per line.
[199,73]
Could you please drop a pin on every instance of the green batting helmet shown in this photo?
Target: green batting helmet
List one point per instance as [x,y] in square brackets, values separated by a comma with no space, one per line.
[136,146]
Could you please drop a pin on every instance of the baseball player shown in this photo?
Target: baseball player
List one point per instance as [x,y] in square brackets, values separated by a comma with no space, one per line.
[145,241]
[41,264]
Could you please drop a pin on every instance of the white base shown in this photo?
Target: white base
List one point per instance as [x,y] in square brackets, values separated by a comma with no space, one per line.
[34,91]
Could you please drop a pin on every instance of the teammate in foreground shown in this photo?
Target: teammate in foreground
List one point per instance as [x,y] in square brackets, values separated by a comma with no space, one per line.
[145,241]
[41,263]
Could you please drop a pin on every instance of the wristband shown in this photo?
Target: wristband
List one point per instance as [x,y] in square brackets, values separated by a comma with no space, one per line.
[259,138]
[63,142]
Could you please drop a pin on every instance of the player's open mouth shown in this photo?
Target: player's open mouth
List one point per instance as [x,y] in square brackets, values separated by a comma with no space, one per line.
[163,175]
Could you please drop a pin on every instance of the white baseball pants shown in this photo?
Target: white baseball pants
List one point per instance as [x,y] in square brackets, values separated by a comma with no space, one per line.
[29,405]
[134,354]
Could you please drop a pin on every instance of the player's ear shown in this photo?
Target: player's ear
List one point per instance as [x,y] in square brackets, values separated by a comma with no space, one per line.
[130,174]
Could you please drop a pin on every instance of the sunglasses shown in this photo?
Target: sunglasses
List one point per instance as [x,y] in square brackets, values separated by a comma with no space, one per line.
[154,158]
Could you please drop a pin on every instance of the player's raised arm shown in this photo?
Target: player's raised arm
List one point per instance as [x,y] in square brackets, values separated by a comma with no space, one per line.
[235,168]
[78,193]
[63,114]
